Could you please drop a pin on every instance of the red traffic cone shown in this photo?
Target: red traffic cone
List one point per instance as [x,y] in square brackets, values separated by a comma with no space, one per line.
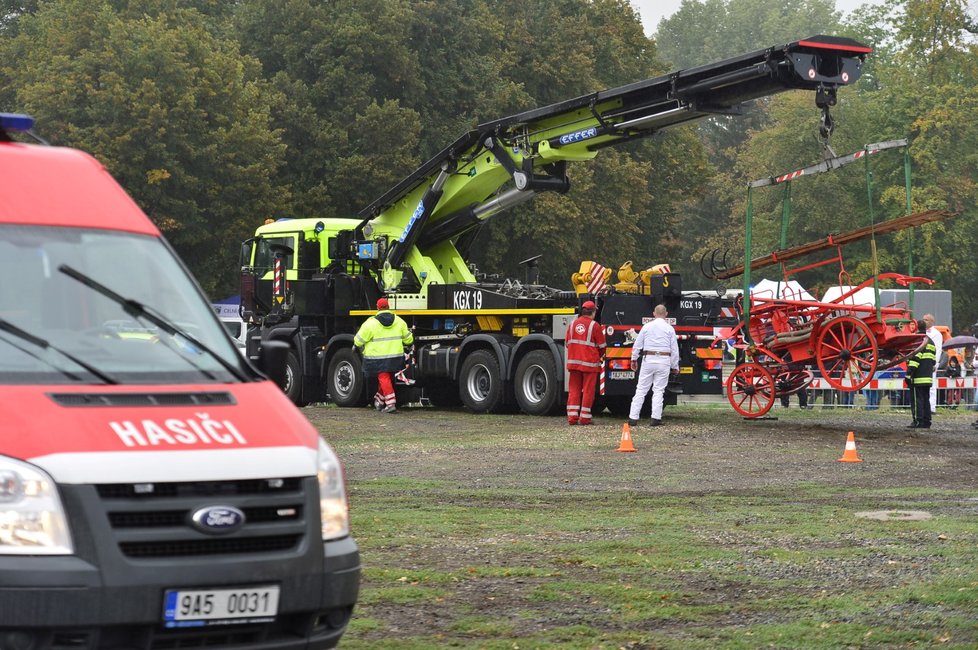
[850,455]
[626,439]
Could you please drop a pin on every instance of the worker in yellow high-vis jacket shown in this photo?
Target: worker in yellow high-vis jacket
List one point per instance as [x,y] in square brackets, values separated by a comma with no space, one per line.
[383,339]
[920,371]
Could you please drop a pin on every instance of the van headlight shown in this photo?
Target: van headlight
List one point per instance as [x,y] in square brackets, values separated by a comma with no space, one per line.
[333,507]
[32,519]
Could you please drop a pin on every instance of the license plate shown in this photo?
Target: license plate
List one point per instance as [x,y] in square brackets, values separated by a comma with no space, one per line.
[199,607]
[621,374]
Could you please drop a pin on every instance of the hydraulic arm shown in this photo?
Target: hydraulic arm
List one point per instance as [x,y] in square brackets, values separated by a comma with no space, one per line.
[503,163]
[460,187]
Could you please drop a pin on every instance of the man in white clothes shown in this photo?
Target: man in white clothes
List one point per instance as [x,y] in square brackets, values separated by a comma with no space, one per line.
[657,346]
[935,335]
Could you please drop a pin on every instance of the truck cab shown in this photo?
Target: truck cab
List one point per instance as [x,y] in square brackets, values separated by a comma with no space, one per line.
[156,490]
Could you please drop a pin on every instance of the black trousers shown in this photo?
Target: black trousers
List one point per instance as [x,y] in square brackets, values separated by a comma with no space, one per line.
[802,398]
[920,404]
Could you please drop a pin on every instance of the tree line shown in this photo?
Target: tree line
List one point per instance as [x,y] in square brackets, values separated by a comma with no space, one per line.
[216,115]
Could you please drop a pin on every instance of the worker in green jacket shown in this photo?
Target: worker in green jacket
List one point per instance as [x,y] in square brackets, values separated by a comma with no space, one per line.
[920,376]
[383,339]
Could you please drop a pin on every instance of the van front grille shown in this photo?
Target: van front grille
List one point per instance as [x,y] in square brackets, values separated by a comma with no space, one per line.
[155,520]
[210,546]
[199,488]
[143,399]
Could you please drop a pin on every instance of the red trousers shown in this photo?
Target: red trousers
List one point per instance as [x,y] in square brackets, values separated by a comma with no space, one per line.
[385,389]
[580,396]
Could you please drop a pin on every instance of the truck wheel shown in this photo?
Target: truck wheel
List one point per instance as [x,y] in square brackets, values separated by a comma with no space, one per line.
[536,383]
[618,405]
[293,379]
[345,381]
[442,394]
[480,383]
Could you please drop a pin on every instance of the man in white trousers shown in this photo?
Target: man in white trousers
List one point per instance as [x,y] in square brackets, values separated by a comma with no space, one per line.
[656,345]
[934,335]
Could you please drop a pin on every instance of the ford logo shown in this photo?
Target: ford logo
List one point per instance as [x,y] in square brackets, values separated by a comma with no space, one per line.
[218,520]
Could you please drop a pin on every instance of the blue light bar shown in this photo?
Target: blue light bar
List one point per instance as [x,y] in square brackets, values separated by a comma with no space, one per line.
[16,122]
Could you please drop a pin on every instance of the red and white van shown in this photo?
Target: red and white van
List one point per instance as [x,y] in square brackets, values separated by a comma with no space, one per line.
[156,491]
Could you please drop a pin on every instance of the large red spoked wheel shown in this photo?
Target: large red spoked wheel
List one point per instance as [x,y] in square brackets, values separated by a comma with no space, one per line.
[846,350]
[750,390]
[789,382]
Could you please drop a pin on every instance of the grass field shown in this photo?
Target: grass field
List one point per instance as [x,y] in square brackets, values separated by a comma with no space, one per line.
[520,532]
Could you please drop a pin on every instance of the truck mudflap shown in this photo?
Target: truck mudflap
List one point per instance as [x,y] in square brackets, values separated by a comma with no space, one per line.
[112,593]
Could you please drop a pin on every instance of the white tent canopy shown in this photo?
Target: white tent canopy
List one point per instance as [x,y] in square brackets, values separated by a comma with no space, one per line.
[865,296]
[790,290]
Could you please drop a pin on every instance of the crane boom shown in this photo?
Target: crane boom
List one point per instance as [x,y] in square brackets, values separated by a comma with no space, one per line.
[531,149]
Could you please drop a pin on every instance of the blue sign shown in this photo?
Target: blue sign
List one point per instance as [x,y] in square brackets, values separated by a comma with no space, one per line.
[578,136]
[227,308]
[418,211]
[366,251]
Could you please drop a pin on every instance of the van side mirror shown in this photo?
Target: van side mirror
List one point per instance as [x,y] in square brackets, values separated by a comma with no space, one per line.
[273,359]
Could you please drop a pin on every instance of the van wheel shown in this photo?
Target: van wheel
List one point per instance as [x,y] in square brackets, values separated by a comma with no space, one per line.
[344,379]
[536,383]
[481,383]
[293,380]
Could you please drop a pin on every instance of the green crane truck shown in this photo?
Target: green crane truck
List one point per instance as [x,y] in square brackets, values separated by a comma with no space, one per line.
[487,344]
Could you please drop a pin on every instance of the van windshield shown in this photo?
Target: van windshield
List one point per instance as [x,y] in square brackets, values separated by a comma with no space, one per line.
[59,331]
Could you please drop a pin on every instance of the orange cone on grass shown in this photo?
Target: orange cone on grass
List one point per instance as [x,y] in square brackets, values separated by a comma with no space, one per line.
[850,455]
[626,439]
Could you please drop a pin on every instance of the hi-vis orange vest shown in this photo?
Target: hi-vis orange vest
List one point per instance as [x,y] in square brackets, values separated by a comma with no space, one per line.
[585,344]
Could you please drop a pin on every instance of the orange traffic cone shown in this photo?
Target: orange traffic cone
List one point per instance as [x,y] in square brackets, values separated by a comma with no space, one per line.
[626,439]
[850,455]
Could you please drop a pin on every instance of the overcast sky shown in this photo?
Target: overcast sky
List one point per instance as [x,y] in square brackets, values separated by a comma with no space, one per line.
[652,11]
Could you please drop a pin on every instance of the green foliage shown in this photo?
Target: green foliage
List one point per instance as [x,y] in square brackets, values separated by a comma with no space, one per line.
[176,113]
[216,115]
[919,85]
[702,31]
[10,13]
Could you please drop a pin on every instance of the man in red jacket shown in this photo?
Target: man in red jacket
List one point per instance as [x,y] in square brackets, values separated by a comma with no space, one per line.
[585,345]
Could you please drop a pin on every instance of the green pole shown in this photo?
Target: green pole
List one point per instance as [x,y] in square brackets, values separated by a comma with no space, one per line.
[785,214]
[747,249]
[872,241]
[906,176]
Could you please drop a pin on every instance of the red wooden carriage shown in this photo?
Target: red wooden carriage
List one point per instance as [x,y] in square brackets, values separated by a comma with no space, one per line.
[780,337]
[846,341]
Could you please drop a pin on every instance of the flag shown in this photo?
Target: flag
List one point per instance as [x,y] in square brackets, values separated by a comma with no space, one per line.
[596,283]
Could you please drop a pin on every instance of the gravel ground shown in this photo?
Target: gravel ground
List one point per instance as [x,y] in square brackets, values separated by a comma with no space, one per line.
[699,451]
[695,444]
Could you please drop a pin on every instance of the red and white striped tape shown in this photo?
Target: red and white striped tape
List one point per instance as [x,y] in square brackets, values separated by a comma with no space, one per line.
[277,282]
[597,279]
[789,176]
[897,383]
